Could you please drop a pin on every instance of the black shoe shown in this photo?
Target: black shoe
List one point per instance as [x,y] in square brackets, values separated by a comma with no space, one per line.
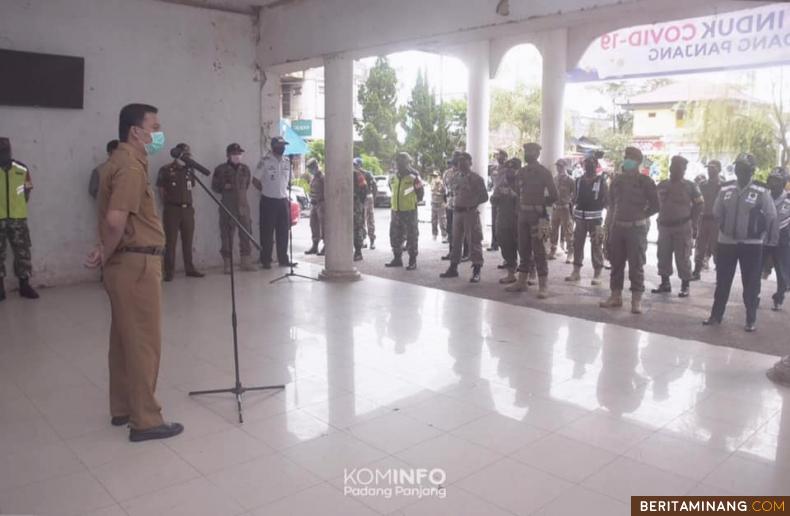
[266,266]
[711,321]
[396,262]
[475,274]
[195,274]
[502,266]
[312,250]
[364,246]
[119,420]
[158,432]
[684,289]
[451,272]
[446,257]
[357,256]
[373,245]
[750,327]
[412,263]
[663,288]
[284,264]
[465,258]
[2,290]
[696,275]
[493,248]
[322,252]
[26,291]
[168,276]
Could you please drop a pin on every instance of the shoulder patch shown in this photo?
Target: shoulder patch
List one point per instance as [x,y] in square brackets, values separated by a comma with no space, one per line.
[20,165]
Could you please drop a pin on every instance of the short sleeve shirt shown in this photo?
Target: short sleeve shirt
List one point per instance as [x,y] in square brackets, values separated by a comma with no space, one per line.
[273,174]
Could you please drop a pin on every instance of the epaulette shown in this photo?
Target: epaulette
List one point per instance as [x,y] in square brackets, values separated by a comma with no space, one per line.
[20,165]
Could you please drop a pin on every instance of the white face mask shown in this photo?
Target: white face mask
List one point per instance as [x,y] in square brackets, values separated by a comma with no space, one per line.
[235,159]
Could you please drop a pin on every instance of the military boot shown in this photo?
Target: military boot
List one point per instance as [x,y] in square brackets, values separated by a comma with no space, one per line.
[412,263]
[569,257]
[596,278]
[510,278]
[372,244]
[2,290]
[552,254]
[226,265]
[312,250]
[574,276]
[664,287]
[475,274]
[25,290]
[396,262]
[684,288]
[358,255]
[696,275]
[636,302]
[451,272]
[615,300]
[780,372]
[531,278]
[543,287]
[520,285]
[247,265]
[322,252]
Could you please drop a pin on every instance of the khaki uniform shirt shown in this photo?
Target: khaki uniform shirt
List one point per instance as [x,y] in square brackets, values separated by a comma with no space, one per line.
[437,193]
[677,199]
[177,184]
[233,182]
[470,190]
[536,186]
[448,178]
[633,197]
[124,186]
[317,188]
[566,189]
[709,191]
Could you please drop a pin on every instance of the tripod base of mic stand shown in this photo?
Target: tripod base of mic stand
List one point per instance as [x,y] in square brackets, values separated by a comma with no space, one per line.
[237,391]
[292,274]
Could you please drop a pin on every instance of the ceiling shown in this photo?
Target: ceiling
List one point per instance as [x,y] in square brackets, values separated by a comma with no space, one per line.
[236,6]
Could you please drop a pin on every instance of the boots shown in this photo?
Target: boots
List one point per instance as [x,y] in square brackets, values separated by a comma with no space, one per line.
[569,258]
[510,278]
[322,252]
[396,262]
[246,264]
[475,274]
[312,250]
[552,254]
[372,244]
[574,276]
[636,303]
[451,272]
[596,278]
[696,275]
[358,255]
[543,287]
[25,290]
[412,263]
[664,287]
[226,266]
[684,288]
[520,285]
[2,290]
[531,278]
[615,300]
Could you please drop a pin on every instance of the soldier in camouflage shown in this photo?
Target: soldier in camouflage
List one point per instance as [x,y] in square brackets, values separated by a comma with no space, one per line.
[407,190]
[15,188]
[360,194]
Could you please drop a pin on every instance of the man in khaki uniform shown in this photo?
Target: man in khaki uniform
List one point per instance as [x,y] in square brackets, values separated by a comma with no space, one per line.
[175,188]
[633,200]
[561,220]
[680,204]
[232,180]
[438,207]
[470,192]
[708,233]
[131,249]
[505,198]
[317,207]
[536,191]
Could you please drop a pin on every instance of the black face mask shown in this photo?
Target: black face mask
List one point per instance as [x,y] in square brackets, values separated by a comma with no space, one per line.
[776,187]
[5,156]
[743,175]
[676,174]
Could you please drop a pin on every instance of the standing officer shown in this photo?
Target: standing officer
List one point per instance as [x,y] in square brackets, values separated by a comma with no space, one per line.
[369,228]
[537,191]
[633,200]
[232,180]
[317,206]
[561,218]
[407,191]
[15,189]
[130,249]
[590,199]
[680,204]
[470,192]
[501,159]
[778,245]
[506,200]
[361,190]
[175,188]
[93,184]
[708,232]
[438,207]
[272,178]
[447,179]
[745,212]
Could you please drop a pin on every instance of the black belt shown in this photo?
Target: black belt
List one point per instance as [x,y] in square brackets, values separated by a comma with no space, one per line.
[153,250]
[179,205]
[674,223]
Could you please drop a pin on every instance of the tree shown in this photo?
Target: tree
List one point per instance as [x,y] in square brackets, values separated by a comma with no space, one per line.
[520,108]
[380,116]
[317,151]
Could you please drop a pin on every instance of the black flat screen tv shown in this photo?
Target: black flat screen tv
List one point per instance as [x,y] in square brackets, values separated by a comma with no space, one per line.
[43,80]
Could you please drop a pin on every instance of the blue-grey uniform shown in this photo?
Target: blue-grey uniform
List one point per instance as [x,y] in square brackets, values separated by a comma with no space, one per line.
[777,247]
[745,215]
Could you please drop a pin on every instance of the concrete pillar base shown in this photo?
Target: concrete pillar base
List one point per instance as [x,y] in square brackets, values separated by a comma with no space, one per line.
[340,276]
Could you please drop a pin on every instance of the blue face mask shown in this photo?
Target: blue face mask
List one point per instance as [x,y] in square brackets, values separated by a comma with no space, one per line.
[157,143]
[630,164]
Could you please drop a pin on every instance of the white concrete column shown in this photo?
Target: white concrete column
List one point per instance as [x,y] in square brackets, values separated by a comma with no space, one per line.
[339,110]
[271,108]
[476,56]
[552,123]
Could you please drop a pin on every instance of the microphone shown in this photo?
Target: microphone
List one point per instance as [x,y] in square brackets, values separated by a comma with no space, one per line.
[179,153]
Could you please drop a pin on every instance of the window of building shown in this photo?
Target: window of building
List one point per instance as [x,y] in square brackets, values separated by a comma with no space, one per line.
[286,101]
[652,114]
[680,118]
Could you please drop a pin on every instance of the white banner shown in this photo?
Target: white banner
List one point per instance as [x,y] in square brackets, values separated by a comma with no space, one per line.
[740,39]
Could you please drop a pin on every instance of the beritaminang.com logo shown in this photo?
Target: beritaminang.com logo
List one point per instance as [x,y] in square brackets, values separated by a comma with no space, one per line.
[389,482]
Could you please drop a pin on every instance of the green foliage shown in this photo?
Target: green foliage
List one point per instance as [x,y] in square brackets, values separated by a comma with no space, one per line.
[613,145]
[303,183]
[380,114]
[317,151]
[371,164]
[519,108]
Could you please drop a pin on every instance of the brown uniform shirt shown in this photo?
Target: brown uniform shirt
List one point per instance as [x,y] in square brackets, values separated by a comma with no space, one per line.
[123,186]
[633,197]
[232,182]
[536,186]
[566,189]
[677,200]
[470,190]
[317,188]
[176,183]
[709,193]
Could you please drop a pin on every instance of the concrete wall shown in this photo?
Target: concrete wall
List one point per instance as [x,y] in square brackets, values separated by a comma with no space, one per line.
[196,65]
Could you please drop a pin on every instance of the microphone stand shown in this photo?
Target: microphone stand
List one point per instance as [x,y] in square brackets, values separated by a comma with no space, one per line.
[238,389]
[291,262]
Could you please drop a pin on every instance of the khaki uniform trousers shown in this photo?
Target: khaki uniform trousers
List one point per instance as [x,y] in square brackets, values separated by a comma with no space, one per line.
[133,284]
[594,229]
[533,231]
[675,240]
[561,219]
[627,244]
[707,238]
[317,221]
[178,219]
[466,226]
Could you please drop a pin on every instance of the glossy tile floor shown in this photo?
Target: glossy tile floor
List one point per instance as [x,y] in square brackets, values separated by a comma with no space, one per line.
[525,412]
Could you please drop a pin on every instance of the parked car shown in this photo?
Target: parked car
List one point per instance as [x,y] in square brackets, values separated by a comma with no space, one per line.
[296,212]
[383,193]
[298,194]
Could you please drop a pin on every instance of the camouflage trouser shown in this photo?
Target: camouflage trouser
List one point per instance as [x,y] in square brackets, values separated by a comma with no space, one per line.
[439,220]
[359,225]
[561,219]
[533,232]
[317,220]
[707,237]
[627,245]
[369,231]
[404,223]
[17,234]
[466,226]
[675,240]
[594,229]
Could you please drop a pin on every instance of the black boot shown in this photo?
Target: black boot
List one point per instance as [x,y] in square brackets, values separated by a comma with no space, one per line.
[451,272]
[697,274]
[684,288]
[26,291]
[664,287]
[396,262]
[412,263]
[358,255]
[447,256]
[312,250]
[322,252]
[475,274]
[372,244]
[2,290]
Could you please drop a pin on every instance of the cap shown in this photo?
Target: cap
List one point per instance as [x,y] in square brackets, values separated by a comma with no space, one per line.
[680,160]
[279,139]
[234,148]
[746,159]
[532,146]
[779,173]
[435,173]
[312,162]
[501,151]
[561,162]
[403,155]
[633,153]
[465,155]
[357,161]
[715,163]
[514,162]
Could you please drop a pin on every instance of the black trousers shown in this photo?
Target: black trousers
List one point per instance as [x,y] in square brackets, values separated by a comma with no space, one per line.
[275,220]
[465,249]
[781,258]
[750,258]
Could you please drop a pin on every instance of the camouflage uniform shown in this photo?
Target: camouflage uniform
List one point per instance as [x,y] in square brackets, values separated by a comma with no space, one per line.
[680,202]
[13,219]
[708,232]
[561,216]
[470,192]
[360,194]
[406,190]
[233,182]
[533,181]
[506,200]
[438,208]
